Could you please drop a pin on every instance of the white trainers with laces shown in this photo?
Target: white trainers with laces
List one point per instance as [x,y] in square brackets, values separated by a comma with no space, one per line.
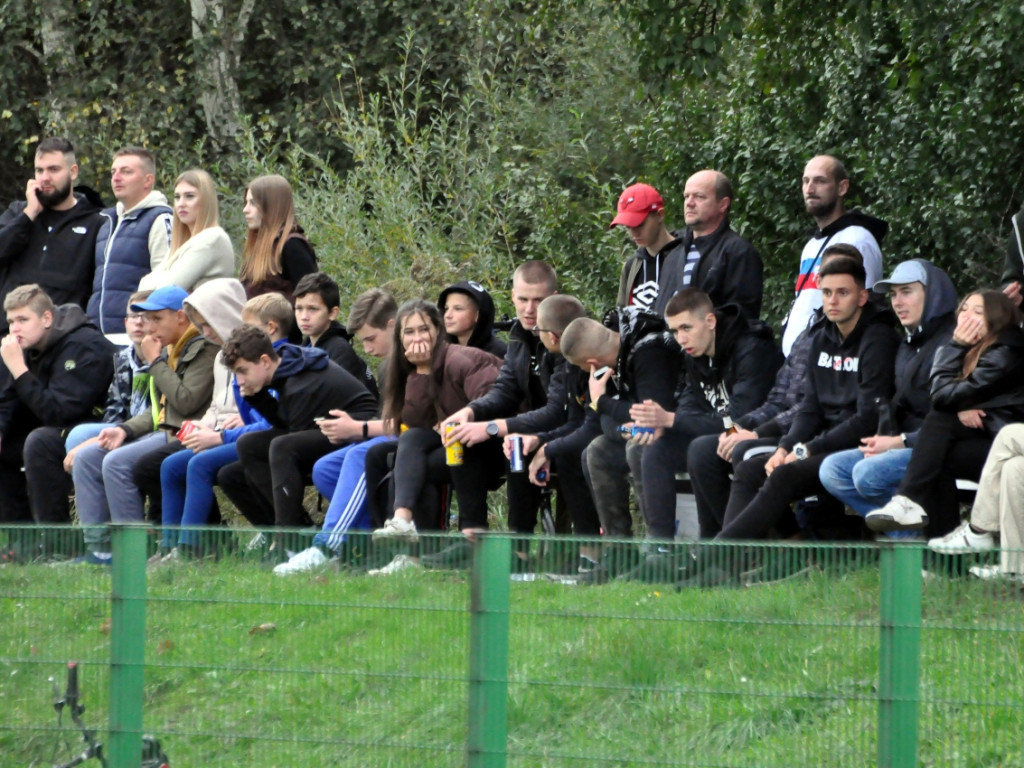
[962,541]
[306,560]
[900,514]
[400,563]
[397,526]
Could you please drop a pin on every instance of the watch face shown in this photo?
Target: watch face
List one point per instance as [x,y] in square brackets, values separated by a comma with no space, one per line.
[492,429]
[800,451]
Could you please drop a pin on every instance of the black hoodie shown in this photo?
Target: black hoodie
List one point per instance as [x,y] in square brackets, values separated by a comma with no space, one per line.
[917,351]
[845,379]
[483,332]
[66,380]
[647,367]
[337,343]
[735,381]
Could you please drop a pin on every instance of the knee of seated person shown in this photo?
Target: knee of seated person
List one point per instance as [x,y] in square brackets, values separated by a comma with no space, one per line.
[867,481]
[39,441]
[751,469]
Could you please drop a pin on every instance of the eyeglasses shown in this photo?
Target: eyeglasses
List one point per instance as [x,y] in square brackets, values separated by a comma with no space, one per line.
[135,316]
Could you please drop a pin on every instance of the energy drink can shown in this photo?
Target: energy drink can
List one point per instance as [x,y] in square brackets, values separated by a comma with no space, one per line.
[187,428]
[516,450]
[453,451]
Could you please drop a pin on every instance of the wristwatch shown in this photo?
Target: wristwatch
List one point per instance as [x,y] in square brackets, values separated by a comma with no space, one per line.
[492,428]
[800,451]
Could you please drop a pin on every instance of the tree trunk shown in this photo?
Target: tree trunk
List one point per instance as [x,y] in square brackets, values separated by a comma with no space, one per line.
[58,53]
[216,45]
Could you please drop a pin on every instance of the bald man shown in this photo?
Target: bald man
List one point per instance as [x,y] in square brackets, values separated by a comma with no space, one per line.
[707,255]
[825,185]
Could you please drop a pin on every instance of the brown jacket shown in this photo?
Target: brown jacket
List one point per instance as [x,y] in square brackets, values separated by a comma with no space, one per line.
[465,374]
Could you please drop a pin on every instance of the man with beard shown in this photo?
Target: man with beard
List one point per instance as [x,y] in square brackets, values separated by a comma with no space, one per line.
[50,237]
[825,186]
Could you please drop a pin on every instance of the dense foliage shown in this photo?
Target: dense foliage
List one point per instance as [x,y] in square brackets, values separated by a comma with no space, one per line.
[434,141]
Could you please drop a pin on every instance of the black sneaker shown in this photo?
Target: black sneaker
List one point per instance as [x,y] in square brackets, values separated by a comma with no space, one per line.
[454,557]
[586,565]
[655,568]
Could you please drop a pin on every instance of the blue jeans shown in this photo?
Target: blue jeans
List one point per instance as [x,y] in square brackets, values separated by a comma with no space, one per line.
[81,433]
[864,483]
[341,478]
[186,484]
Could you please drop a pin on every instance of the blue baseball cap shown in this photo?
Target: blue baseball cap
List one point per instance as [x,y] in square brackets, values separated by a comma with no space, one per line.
[168,297]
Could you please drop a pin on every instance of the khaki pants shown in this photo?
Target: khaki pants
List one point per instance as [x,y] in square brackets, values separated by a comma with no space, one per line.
[999,505]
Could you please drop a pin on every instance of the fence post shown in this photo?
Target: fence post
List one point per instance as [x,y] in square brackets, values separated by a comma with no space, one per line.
[127,644]
[899,647]
[488,653]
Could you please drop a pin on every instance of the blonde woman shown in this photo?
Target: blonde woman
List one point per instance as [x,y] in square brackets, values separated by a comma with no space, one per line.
[200,248]
[277,254]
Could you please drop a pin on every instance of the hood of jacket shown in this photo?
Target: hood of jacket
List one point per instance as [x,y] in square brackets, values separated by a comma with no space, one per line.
[870,314]
[334,330]
[484,328]
[940,303]
[153,199]
[297,359]
[637,328]
[220,302]
[730,326]
[877,227]
[66,318]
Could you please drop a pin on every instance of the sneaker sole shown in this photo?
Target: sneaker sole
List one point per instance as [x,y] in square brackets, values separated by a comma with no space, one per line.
[886,523]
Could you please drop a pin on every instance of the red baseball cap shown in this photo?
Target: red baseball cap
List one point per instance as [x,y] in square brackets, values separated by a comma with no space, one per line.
[635,203]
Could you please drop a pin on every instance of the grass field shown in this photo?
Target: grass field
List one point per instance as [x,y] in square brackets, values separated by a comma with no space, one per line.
[336,669]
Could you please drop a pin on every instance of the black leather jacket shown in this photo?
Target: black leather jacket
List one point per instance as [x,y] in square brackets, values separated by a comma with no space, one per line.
[996,385]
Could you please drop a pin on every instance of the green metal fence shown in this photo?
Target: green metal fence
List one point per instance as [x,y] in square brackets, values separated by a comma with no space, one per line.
[860,661]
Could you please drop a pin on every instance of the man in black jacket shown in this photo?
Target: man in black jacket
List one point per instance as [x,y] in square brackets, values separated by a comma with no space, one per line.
[707,255]
[729,367]
[850,369]
[267,481]
[60,367]
[50,237]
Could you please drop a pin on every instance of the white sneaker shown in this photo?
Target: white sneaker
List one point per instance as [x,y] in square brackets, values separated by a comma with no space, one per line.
[962,541]
[155,559]
[900,514]
[994,573]
[397,526]
[306,560]
[400,563]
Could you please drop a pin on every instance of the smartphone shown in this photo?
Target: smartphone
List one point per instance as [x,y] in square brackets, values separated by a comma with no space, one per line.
[601,371]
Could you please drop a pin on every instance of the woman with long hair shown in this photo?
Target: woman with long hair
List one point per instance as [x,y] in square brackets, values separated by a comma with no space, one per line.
[200,248]
[428,378]
[977,387]
[277,254]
